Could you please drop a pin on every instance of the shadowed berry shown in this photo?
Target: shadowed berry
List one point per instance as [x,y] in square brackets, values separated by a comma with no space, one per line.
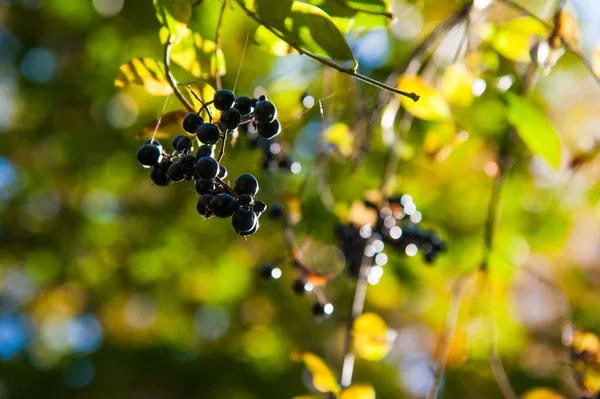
[230,118]
[158,174]
[221,205]
[222,172]
[153,142]
[249,232]
[207,168]
[243,220]
[223,99]
[244,105]
[265,111]
[259,207]
[204,151]
[301,287]
[205,186]
[269,272]
[203,207]
[277,211]
[148,155]
[188,161]
[245,200]
[176,172]
[322,309]
[246,184]
[208,133]
[269,130]
[182,143]
[191,122]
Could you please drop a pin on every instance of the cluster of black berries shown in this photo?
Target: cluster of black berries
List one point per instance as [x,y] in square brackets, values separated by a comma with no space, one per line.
[216,197]
[397,227]
[306,282]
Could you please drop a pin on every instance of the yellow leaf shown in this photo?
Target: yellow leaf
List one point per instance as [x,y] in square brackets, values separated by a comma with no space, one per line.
[206,93]
[566,28]
[340,135]
[146,72]
[513,39]
[170,125]
[541,393]
[358,392]
[371,338]
[432,106]
[457,84]
[324,379]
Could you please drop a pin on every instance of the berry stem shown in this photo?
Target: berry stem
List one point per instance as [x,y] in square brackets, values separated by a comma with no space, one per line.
[222,151]
[171,79]
[326,61]
[218,50]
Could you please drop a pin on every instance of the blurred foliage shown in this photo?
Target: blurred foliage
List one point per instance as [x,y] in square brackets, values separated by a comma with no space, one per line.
[113,287]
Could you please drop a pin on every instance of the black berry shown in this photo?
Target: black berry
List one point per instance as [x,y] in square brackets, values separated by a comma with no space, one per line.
[243,220]
[322,310]
[259,207]
[205,186]
[203,206]
[222,172]
[176,172]
[221,205]
[270,129]
[158,174]
[207,168]
[153,142]
[208,133]
[250,232]
[246,184]
[148,155]
[188,161]
[299,286]
[269,272]
[182,143]
[277,211]
[191,122]
[245,200]
[223,99]
[265,111]
[244,105]
[204,151]
[230,118]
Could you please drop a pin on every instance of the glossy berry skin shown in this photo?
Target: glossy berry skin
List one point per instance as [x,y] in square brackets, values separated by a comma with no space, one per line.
[208,133]
[176,172]
[153,142]
[207,168]
[269,130]
[250,232]
[158,174]
[243,220]
[221,205]
[188,161]
[266,272]
[265,112]
[222,172]
[230,118]
[223,99]
[299,286]
[320,310]
[244,105]
[191,122]
[205,186]
[246,184]
[245,200]
[148,155]
[259,207]
[203,207]
[182,143]
[204,151]
[277,211]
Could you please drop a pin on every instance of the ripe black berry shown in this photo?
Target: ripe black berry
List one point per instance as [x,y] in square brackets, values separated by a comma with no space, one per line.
[322,310]
[176,172]
[182,143]
[269,272]
[188,161]
[277,211]
[230,118]
[245,200]
[203,205]
[153,142]
[207,168]
[158,174]
[148,155]
[204,151]
[246,184]
[205,186]
[208,133]
[259,207]
[265,111]
[222,172]
[244,105]
[285,163]
[191,122]
[269,130]
[249,232]
[300,287]
[221,205]
[223,99]
[243,220]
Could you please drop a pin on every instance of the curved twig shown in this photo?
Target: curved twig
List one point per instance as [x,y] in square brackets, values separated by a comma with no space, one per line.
[171,79]
[218,45]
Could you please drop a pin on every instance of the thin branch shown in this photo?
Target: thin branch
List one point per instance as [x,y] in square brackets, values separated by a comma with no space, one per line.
[218,46]
[327,61]
[386,13]
[525,11]
[171,79]
[447,337]
[222,151]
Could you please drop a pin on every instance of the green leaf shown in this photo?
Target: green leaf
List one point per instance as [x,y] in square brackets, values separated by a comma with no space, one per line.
[174,15]
[311,29]
[274,12]
[514,38]
[270,42]
[146,72]
[534,128]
